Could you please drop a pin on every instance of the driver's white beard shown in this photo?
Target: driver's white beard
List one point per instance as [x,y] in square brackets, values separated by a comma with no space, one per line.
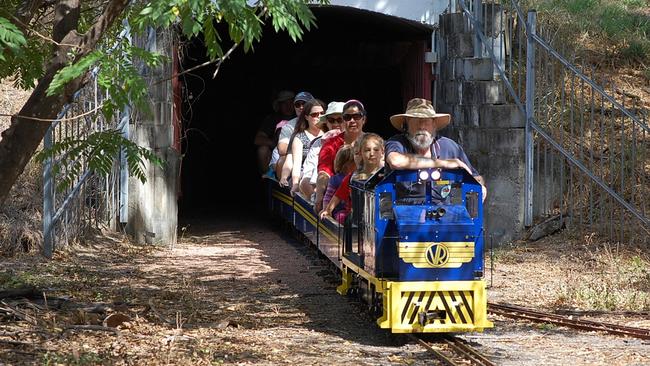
[421,141]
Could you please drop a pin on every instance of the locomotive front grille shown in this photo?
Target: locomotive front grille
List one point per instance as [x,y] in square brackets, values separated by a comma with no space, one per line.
[437,307]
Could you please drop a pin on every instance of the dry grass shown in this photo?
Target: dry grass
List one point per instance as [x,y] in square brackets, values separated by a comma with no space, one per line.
[573,271]
[20,216]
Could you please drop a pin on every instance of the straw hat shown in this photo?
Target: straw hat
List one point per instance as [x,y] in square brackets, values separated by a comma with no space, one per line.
[420,108]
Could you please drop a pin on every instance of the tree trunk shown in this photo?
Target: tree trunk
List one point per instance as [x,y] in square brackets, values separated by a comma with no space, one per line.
[20,141]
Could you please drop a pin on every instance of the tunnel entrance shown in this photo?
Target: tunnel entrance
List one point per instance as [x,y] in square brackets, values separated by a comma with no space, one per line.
[352,53]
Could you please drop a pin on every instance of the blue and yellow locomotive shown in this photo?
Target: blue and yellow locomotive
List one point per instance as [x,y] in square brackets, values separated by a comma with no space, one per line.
[412,247]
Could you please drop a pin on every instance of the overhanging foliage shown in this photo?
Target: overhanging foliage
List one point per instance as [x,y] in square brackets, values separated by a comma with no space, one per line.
[51,46]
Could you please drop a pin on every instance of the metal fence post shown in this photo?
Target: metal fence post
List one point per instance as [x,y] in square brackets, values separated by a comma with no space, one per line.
[48,198]
[478,47]
[530,114]
[124,169]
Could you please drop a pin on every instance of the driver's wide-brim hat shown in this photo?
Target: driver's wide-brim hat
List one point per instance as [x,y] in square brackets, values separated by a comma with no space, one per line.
[420,108]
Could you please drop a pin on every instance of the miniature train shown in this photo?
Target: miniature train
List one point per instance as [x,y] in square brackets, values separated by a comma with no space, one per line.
[417,263]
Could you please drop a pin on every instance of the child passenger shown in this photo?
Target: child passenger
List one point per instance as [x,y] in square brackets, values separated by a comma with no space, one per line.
[343,165]
[371,151]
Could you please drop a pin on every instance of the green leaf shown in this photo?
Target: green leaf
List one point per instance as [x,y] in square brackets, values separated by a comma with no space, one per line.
[71,72]
[98,152]
[10,37]
[211,40]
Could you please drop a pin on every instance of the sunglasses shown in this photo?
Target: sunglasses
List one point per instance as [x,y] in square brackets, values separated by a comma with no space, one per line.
[316,114]
[335,120]
[355,116]
[299,104]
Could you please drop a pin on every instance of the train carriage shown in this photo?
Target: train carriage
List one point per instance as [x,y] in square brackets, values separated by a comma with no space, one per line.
[417,261]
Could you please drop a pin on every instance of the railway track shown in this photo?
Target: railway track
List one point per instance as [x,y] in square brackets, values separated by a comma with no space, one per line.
[518,312]
[463,352]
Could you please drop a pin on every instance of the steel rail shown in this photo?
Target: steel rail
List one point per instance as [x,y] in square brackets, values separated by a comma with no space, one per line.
[459,348]
[473,355]
[517,312]
[437,354]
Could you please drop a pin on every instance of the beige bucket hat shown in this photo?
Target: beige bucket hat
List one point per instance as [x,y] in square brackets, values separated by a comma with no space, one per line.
[332,108]
[420,108]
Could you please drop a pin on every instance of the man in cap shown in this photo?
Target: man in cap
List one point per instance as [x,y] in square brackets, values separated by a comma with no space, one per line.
[287,130]
[266,138]
[420,146]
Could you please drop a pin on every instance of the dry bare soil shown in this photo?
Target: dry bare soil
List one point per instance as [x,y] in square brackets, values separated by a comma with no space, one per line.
[242,293]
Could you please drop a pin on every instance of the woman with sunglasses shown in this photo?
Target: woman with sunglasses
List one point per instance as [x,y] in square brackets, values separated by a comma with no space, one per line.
[354,117]
[331,123]
[307,129]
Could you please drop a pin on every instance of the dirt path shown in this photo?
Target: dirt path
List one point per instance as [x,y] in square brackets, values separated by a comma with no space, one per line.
[238,292]
[232,292]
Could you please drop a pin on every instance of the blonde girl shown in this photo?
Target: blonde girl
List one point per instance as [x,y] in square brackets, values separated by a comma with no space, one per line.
[369,150]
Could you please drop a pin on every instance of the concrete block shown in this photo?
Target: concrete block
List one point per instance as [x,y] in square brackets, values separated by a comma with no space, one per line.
[464,116]
[444,108]
[483,141]
[452,92]
[503,220]
[460,45]
[483,92]
[452,23]
[152,136]
[494,19]
[153,209]
[447,69]
[504,205]
[500,116]
[162,113]
[473,69]
[473,92]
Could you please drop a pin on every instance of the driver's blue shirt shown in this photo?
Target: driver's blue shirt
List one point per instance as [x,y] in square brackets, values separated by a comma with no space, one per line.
[441,148]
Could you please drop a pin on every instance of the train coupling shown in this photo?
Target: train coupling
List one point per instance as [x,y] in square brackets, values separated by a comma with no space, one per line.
[425,317]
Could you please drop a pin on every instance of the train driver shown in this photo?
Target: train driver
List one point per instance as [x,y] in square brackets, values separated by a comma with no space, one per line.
[419,146]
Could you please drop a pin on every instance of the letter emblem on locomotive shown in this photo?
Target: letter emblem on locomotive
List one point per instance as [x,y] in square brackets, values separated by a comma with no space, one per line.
[436,255]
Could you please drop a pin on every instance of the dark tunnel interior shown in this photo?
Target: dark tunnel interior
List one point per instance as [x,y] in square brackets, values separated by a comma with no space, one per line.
[351,54]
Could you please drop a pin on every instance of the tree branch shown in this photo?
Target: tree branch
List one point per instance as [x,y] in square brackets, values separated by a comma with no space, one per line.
[113,10]
[27,11]
[26,29]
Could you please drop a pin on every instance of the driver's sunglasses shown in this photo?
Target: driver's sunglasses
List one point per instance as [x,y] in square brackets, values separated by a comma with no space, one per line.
[299,104]
[316,114]
[333,120]
[355,116]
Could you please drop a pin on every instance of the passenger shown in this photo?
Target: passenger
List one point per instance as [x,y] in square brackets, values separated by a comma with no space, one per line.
[354,117]
[266,138]
[331,123]
[344,165]
[371,151]
[420,146]
[307,129]
[287,130]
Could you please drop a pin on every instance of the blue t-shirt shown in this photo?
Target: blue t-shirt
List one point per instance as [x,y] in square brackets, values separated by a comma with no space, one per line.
[441,148]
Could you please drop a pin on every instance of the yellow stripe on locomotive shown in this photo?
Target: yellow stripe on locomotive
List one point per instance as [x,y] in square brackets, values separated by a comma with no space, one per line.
[436,255]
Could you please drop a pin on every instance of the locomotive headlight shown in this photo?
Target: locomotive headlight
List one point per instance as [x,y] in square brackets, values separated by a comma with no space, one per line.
[435,175]
[423,175]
